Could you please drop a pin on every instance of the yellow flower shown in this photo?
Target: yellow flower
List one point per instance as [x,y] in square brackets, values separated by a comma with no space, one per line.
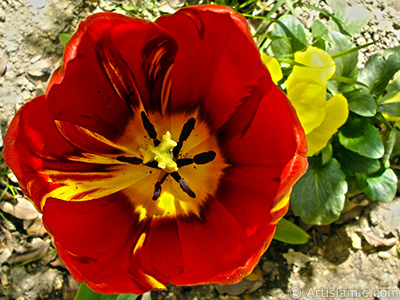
[306,89]
[273,67]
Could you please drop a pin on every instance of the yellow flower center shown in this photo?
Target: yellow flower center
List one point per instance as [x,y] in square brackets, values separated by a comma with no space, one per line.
[166,165]
[162,153]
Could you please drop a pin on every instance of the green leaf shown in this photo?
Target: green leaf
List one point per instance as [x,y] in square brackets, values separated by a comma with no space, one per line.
[362,137]
[361,102]
[319,33]
[347,80]
[318,197]
[378,71]
[353,162]
[355,18]
[292,34]
[346,66]
[339,24]
[326,154]
[85,293]
[389,145]
[394,85]
[392,108]
[381,187]
[64,38]
[290,233]
[396,146]
[336,5]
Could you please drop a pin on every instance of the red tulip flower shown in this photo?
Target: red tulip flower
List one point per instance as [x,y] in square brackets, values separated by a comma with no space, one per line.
[161,152]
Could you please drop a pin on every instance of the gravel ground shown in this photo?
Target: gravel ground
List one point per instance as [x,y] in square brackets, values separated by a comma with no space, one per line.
[361,256]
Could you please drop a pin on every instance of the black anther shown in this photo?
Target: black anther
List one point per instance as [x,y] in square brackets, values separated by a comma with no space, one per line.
[130,160]
[183,184]
[184,162]
[186,189]
[152,164]
[177,149]
[157,187]
[187,129]
[151,131]
[157,191]
[205,157]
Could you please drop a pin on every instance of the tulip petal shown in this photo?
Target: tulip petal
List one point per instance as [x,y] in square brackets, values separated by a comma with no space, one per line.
[336,115]
[106,77]
[89,250]
[159,255]
[214,70]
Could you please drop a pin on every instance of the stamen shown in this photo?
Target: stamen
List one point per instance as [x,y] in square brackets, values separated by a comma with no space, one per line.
[152,164]
[184,162]
[130,160]
[186,131]
[183,184]
[151,131]
[205,157]
[157,191]
[157,187]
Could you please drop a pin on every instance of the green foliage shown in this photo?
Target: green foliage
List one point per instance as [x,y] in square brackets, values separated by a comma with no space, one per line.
[361,153]
[64,38]
[380,187]
[319,196]
[85,293]
[289,37]
[290,233]
[362,137]
[361,102]
[378,71]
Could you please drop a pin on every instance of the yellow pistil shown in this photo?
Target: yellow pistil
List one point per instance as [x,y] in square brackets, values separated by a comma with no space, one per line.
[161,153]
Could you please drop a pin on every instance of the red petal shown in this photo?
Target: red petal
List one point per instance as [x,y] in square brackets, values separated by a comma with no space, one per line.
[215,247]
[95,245]
[29,144]
[160,255]
[217,65]
[264,132]
[105,75]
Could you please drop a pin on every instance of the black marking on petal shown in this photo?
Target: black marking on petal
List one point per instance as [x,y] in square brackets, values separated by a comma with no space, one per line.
[130,160]
[205,157]
[183,184]
[151,131]
[184,162]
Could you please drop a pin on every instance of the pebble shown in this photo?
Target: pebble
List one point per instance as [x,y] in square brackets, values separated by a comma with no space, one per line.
[4,279]
[384,254]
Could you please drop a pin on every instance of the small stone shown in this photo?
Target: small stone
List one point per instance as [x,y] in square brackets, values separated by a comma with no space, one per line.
[4,279]
[3,65]
[58,283]
[356,241]
[40,70]
[378,14]
[385,26]
[384,254]
[38,3]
